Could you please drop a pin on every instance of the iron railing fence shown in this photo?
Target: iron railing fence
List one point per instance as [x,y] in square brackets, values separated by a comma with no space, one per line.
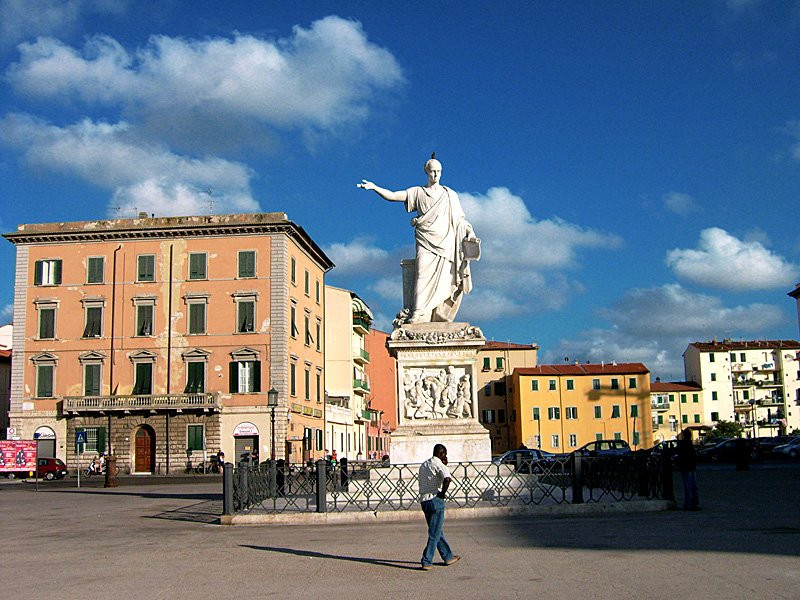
[323,487]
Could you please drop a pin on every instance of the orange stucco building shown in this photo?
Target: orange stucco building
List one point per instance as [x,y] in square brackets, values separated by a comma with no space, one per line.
[161,336]
[382,399]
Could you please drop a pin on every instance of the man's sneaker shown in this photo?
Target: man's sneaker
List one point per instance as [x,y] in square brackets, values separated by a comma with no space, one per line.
[455,559]
[425,567]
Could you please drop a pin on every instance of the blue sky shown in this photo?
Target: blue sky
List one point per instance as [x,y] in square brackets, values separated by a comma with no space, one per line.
[631,168]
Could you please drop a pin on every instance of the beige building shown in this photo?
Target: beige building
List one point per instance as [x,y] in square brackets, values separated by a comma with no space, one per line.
[348,416]
[675,405]
[562,407]
[496,412]
[160,337]
[756,383]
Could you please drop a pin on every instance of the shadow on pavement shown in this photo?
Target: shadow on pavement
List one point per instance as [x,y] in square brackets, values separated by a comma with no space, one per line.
[202,512]
[753,512]
[397,564]
[119,492]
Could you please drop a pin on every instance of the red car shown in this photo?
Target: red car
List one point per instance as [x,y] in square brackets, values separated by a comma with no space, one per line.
[52,468]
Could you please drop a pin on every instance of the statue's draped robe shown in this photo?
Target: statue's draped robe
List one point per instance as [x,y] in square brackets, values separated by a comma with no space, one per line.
[442,271]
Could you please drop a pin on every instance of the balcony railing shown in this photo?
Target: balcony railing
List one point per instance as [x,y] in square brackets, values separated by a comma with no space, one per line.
[360,384]
[362,356]
[361,324]
[741,367]
[78,404]
[660,405]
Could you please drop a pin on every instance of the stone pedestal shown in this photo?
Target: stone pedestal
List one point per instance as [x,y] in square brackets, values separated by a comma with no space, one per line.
[437,394]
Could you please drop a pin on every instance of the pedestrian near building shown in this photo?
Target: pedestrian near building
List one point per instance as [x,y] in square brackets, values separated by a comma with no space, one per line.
[687,465]
[434,479]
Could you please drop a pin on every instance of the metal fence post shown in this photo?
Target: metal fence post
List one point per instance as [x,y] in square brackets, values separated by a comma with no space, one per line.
[322,501]
[227,489]
[244,488]
[273,479]
[577,478]
[668,489]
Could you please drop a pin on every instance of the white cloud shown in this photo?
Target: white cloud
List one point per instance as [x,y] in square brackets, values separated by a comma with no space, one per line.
[523,260]
[143,177]
[680,203]
[6,313]
[321,77]
[724,261]
[522,267]
[25,19]
[654,326]
[359,256]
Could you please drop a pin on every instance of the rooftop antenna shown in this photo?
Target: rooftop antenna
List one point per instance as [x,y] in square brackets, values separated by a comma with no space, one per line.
[209,191]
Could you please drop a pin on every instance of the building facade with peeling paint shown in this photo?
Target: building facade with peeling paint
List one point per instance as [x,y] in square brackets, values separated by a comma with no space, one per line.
[160,337]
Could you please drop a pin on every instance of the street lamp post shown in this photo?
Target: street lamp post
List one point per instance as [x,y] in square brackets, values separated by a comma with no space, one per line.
[272,402]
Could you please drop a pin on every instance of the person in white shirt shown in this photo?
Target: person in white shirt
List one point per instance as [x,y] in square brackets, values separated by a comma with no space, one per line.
[434,479]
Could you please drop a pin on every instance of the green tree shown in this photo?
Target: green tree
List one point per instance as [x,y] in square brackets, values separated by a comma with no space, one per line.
[725,429]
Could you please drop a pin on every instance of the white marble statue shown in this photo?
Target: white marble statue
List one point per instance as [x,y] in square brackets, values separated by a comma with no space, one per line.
[445,245]
[431,394]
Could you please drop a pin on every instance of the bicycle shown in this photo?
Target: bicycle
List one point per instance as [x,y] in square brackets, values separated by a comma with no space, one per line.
[208,466]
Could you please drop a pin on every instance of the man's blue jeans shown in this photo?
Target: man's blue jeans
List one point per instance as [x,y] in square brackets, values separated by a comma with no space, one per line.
[434,515]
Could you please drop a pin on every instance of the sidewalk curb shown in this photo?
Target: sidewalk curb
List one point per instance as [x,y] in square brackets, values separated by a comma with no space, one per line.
[400,516]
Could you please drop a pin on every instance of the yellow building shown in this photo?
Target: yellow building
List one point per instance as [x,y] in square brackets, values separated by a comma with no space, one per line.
[675,405]
[561,407]
[497,361]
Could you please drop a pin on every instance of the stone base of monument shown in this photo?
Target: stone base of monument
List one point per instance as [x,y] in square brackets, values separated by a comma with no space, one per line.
[437,395]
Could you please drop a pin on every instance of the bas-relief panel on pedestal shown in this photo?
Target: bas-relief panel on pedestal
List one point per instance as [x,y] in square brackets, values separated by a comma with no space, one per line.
[437,393]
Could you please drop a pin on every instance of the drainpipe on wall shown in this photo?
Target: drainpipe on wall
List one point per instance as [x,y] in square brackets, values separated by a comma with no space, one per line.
[111,345]
[169,350]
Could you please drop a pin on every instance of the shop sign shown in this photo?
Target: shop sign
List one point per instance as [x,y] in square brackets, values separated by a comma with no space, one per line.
[245,429]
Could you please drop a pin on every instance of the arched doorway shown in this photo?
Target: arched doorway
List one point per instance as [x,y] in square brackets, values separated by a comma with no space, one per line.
[144,451]
[45,442]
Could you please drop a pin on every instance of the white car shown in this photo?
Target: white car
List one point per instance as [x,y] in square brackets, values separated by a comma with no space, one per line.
[790,449]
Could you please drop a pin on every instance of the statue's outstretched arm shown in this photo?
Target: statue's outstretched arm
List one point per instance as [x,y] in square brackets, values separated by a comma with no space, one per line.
[399,196]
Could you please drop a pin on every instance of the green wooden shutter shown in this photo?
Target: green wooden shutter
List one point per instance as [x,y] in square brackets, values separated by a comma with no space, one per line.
[233,377]
[256,375]
[101,439]
[44,384]
[37,272]
[47,327]
[57,272]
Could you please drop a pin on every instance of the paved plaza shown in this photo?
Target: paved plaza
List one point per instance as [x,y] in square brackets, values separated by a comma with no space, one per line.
[162,541]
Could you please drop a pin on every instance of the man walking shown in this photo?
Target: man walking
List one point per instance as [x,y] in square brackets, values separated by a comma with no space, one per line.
[434,479]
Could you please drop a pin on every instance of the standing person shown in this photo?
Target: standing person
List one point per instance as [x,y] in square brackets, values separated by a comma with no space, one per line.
[687,465]
[434,479]
[442,274]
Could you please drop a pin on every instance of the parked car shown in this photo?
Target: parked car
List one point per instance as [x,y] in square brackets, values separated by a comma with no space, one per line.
[604,448]
[526,460]
[727,450]
[790,449]
[52,468]
[768,444]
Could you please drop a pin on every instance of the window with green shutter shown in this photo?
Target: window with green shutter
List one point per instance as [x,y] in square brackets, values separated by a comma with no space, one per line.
[94,321]
[534,385]
[144,319]
[684,418]
[197,265]
[635,438]
[487,363]
[570,384]
[695,398]
[598,412]
[615,411]
[143,384]
[47,323]
[499,363]
[146,267]
[47,272]
[197,317]
[91,379]
[697,418]
[195,437]
[195,378]
[247,264]
[246,317]
[95,267]
[44,381]
[293,379]
[95,438]
[634,410]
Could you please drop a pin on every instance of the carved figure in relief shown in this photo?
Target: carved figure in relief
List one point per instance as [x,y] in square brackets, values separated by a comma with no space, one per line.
[415,402]
[463,403]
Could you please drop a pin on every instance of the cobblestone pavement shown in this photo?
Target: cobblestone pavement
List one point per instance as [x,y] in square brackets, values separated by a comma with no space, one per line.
[161,540]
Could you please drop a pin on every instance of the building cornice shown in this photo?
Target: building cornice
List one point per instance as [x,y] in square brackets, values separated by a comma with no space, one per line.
[167,228]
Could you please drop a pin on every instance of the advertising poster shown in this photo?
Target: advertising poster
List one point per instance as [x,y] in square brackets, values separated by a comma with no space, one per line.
[17,456]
